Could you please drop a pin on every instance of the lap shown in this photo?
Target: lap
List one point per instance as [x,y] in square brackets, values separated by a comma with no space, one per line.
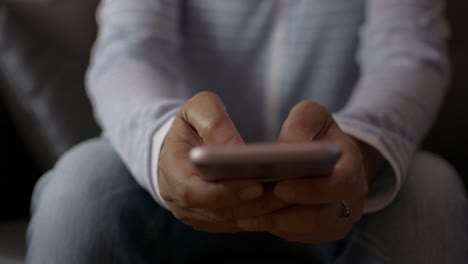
[428,220]
[91,187]
[88,207]
[93,199]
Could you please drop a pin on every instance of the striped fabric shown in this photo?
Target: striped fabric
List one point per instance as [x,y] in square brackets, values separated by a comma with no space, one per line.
[379,65]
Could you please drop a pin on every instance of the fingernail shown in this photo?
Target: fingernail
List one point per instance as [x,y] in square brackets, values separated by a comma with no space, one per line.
[251,193]
[285,193]
[247,224]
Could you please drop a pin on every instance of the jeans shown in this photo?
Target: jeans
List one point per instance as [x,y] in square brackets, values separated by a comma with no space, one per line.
[88,209]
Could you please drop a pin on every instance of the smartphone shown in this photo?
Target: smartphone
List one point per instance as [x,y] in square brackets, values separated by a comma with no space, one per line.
[266,162]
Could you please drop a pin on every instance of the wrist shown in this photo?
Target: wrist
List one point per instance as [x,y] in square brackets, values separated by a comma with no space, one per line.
[372,159]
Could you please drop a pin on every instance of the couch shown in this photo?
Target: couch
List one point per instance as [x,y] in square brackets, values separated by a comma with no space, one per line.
[44,47]
[44,50]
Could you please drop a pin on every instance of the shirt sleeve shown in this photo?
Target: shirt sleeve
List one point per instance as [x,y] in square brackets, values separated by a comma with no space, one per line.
[404,76]
[158,141]
[134,94]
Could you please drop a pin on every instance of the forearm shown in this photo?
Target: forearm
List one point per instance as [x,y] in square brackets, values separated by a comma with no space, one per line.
[135,82]
[404,76]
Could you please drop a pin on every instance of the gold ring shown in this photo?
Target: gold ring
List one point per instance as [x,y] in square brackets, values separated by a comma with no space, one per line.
[345,210]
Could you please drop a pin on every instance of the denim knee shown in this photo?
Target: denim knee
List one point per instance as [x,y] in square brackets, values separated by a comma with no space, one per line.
[88,207]
[428,220]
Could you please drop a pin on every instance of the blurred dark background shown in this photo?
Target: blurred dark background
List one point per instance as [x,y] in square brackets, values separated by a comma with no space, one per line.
[449,136]
[44,50]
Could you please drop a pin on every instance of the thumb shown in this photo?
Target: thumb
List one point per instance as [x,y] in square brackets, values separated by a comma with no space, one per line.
[307,121]
[207,115]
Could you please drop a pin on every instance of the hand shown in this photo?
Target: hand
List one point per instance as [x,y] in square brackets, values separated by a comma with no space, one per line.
[315,211]
[207,206]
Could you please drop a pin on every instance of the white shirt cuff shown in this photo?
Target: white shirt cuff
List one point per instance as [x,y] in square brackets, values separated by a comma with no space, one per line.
[158,140]
[385,187]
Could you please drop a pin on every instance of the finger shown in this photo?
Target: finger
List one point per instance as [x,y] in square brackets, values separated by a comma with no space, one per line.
[191,191]
[206,113]
[346,181]
[306,121]
[216,220]
[297,218]
[266,204]
[304,219]
[337,232]
[199,222]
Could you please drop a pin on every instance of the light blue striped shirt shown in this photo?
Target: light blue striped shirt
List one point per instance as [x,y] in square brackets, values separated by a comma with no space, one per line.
[379,65]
